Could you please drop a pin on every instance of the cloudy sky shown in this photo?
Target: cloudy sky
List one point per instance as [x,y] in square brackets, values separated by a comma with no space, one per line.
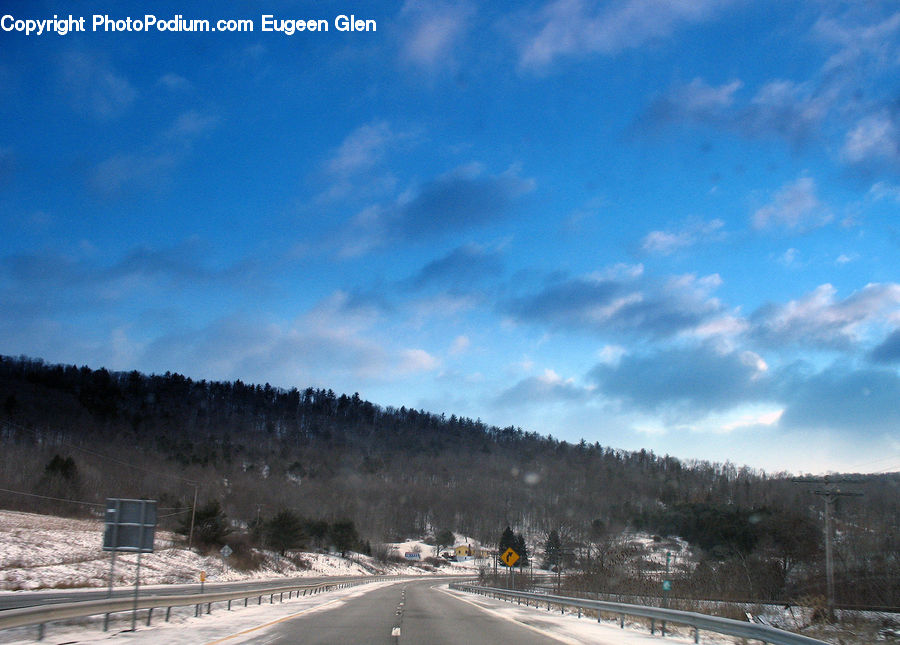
[652,224]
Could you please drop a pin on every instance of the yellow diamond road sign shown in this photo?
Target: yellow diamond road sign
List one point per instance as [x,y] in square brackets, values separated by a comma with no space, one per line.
[509,557]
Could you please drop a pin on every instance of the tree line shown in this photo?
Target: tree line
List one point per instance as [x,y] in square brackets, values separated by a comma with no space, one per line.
[82,434]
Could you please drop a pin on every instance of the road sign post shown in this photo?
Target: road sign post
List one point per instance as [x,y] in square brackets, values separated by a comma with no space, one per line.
[509,558]
[130,527]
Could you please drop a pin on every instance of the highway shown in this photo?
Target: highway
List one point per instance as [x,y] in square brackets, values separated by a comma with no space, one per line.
[420,611]
[390,612]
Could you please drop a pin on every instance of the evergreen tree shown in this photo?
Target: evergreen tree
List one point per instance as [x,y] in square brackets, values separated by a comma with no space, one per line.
[318,531]
[444,539]
[210,524]
[507,541]
[552,549]
[284,531]
[522,550]
[516,542]
[344,536]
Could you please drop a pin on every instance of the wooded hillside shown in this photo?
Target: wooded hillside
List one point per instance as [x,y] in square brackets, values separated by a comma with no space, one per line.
[83,434]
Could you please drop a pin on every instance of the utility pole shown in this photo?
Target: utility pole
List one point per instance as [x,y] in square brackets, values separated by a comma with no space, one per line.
[193,515]
[830,493]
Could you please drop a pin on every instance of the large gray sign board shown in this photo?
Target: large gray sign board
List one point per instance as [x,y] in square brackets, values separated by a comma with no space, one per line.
[130,525]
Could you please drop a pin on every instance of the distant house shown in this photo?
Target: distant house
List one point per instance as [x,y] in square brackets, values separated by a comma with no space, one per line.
[462,552]
[465,552]
[481,553]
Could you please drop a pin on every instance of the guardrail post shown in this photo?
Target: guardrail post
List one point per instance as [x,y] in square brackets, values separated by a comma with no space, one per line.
[652,626]
[40,632]
[622,621]
[229,605]
[168,613]
[208,607]
[149,615]
[105,622]
[696,634]
[197,611]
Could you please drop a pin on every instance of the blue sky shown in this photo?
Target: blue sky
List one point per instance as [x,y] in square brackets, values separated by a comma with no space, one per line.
[664,225]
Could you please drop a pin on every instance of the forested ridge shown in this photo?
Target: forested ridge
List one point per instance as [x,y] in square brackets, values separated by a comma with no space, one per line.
[85,434]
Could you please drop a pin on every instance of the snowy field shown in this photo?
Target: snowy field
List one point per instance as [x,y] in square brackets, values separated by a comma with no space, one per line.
[45,552]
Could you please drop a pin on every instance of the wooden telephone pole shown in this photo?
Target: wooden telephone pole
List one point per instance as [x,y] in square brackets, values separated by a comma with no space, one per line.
[830,493]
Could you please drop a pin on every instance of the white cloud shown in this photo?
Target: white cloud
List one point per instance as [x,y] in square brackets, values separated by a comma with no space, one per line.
[819,318]
[434,32]
[621,300]
[723,329]
[460,345]
[700,100]
[691,233]
[795,206]
[416,360]
[883,190]
[875,138]
[789,257]
[611,354]
[545,388]
[361,149]
[751,420]
[856,41]
[577,27]
[94,86]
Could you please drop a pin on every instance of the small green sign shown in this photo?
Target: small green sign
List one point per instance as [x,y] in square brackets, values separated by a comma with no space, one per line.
[667,585]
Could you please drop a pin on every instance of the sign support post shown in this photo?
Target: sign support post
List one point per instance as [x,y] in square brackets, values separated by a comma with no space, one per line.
[130,527]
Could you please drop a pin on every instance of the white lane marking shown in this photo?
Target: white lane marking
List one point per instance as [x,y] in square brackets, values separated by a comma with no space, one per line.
[395,631]
[364,589]
[561,639]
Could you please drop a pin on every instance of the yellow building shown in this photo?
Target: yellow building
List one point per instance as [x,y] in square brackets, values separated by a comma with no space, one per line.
[462,551]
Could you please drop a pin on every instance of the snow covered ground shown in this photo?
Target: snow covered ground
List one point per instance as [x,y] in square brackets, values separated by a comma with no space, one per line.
[45,552]
[243,623]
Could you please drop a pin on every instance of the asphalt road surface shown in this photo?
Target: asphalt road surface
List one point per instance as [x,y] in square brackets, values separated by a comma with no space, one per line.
[418,611]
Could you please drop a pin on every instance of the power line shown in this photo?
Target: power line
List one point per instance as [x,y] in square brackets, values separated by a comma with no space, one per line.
[830,493]
[56,499]
[195,484]
[75,501]
[873,461]
[105,457]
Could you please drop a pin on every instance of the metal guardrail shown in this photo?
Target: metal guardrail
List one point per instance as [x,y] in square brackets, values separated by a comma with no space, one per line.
[42,615]
[700,622]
